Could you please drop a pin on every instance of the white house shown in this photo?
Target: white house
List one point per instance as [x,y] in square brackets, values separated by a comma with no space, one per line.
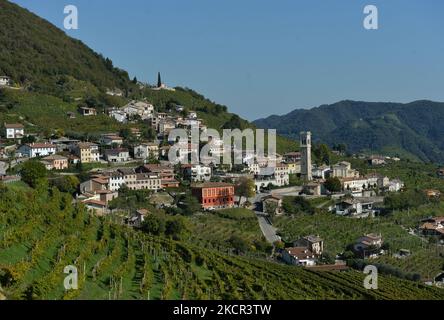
[166,125]
[117,155]
[143,109]
[354,184]
[5,81]
[395,185]
[116,180]
[300,256]
[33,150]
[145,150]
[343,170]
[192,115]
[197,172]
[320,172]
[110,139]
[281,174]
[14,130]
[119,115]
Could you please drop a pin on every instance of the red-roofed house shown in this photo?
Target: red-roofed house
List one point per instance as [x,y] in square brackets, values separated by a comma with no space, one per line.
[300,256]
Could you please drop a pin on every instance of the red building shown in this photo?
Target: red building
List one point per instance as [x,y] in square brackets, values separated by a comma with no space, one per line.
[214,195]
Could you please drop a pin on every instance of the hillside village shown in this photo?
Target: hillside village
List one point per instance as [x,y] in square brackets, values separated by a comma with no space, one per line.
[132,160]
[87,180]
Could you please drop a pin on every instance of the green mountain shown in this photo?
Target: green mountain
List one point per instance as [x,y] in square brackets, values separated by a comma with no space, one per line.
[37,54]
[412,130]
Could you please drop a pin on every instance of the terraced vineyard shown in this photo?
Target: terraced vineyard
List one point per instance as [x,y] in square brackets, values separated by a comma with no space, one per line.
[41,233]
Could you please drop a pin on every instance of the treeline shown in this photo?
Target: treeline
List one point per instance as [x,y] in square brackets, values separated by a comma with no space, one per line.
[409,199]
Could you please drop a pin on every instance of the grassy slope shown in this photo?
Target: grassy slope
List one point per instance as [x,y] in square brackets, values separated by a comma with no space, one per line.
[123,264]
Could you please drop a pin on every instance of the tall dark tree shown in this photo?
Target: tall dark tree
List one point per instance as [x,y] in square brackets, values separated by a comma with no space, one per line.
[159,80]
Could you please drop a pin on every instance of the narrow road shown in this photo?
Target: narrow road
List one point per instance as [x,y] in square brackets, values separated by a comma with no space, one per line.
[267,228]
[3,167]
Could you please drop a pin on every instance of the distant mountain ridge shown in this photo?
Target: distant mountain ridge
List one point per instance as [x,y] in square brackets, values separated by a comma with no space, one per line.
[412,129]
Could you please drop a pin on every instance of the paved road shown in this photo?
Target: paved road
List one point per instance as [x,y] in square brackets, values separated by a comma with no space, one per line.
[3,167]
[267,229]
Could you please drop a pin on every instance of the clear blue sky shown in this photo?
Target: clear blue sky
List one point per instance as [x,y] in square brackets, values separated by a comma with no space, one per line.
[268,57]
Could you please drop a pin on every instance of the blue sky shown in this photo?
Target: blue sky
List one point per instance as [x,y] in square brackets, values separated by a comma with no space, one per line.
[269,57]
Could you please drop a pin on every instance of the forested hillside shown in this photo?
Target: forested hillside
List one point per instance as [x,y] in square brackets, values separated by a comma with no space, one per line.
[412,130]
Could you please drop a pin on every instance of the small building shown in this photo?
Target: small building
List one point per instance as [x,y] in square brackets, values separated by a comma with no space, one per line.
[299,256]
[170,183]
[354,207]
[117,155]
[97,183]
[433,227]
[214,195]
[56,162]
[165,126]
[376,160]
[343,170]
[71,115]
[197,172]
[85,111]
[33,150]
[118,114]
[110,139]
[314,243]
[281,174]
[5,81]
[9,179]
[87,152]
[312,189]
[146,150]
[395,185]
[14,130]
[294,167]
[192,115]
[320,172]
[292,157]
[165,172]
[354,184]
[99,207]
[369,245]
[137,218]
[272,202]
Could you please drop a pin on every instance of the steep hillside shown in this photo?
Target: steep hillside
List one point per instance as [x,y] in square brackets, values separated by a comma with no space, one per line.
[413,129]
[41,233]
[58,73]
[37,54]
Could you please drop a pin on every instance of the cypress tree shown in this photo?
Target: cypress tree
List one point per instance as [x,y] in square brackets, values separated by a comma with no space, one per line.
[159,80]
